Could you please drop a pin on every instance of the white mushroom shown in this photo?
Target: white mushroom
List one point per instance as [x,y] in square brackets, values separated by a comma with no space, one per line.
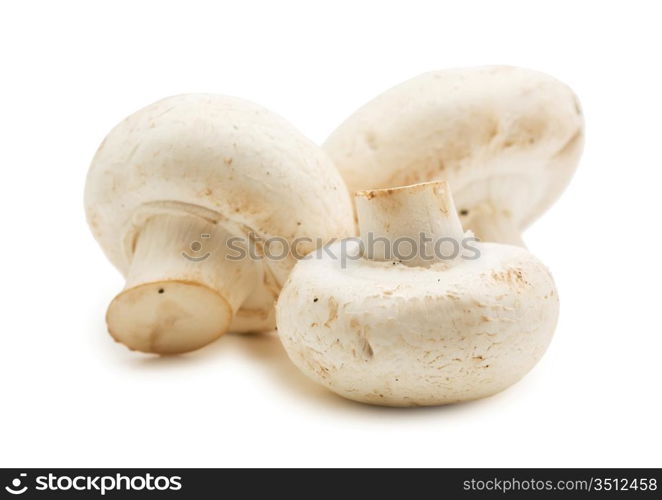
[168,189]
[449,327]
[507,139]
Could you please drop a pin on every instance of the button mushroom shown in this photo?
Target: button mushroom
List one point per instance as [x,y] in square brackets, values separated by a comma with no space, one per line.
[507,139]
[450,327]
[175,194]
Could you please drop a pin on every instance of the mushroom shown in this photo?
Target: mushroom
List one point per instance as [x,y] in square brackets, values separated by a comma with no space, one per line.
[180,190]
[507,139]
[453,326]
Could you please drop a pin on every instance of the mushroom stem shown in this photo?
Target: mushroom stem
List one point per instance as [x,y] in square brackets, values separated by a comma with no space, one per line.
[497,226]
[416,225]
[182,290]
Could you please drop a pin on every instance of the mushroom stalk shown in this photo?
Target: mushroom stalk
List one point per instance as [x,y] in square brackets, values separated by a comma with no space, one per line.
[183,287]
[416,225]
[497,226]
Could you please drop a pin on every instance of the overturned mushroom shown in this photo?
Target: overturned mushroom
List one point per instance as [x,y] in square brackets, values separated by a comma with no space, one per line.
[175,194]
[507,139]
[447,327]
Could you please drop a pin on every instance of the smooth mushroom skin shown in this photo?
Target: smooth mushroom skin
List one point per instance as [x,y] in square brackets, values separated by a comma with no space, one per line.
[390,333]
[507,139]
[169,188]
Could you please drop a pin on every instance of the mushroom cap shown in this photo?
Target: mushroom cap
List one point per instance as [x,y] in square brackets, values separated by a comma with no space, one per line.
[224,159]
[507,139]
[384,333]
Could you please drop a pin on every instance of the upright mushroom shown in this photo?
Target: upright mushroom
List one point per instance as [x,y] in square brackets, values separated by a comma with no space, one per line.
[177,192]
[436,328]
[507,139]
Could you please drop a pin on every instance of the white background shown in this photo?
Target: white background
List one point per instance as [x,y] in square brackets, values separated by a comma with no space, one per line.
[72,397]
